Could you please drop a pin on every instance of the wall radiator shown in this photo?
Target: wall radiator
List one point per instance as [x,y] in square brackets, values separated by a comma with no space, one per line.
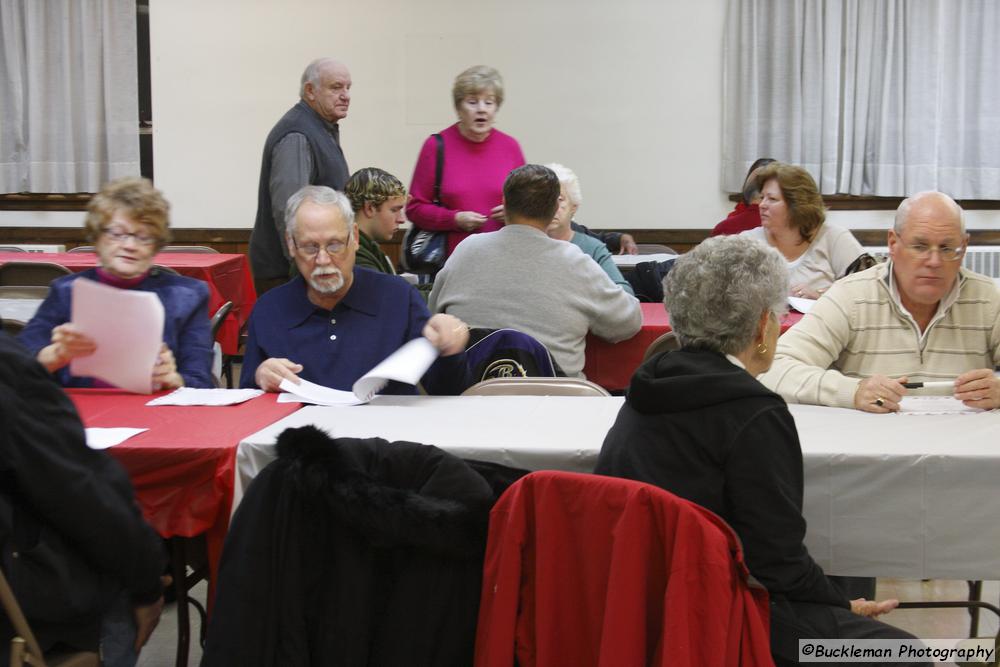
[36,247]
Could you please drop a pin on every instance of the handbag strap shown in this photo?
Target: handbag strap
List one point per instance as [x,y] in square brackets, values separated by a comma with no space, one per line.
[439,169]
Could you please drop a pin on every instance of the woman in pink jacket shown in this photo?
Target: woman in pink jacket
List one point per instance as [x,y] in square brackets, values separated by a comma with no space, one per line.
[477,159]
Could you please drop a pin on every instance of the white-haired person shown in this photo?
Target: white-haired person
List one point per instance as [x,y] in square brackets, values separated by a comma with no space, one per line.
[920,317]
[792,218]
[696,423]
[477,159]
[303,148]
[561,228]
[334,321]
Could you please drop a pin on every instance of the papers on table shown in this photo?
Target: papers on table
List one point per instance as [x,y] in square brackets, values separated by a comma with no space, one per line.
[935,405]
[800,304]
[192,396]
[126,325]
[407,364]
[102,438]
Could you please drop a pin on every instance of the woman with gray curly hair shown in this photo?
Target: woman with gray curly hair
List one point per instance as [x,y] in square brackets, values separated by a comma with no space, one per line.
[697,423]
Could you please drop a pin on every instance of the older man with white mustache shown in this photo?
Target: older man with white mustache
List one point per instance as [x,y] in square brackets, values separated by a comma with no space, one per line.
[335,321]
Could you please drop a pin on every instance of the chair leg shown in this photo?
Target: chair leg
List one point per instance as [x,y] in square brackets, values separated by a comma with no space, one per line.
[178,564]
[17,652]
[975,595]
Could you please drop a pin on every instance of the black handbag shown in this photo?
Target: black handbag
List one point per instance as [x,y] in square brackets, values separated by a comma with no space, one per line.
[425,251]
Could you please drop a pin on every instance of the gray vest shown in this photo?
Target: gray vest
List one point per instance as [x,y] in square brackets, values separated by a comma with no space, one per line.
[328,168]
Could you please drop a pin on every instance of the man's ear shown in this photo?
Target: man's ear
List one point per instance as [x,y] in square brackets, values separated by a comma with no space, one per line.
[369,209]
[893,242]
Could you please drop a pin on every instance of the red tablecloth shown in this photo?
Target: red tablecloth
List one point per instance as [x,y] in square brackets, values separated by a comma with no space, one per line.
[183,467]
[228,277]
[611,365]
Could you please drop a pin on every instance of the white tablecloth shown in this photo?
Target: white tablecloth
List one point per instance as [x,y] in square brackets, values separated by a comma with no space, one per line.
[19,309]
[885,495]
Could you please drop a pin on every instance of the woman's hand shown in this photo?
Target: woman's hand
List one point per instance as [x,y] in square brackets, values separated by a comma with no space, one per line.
[627,245]
[804,292]
[165,375]
[873,608]
[67,344]
[496,213]
[469,221]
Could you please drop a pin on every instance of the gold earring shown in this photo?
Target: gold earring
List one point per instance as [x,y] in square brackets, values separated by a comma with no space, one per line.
[762,349]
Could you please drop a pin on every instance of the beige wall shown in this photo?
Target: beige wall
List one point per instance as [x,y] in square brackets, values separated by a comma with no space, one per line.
[626,93]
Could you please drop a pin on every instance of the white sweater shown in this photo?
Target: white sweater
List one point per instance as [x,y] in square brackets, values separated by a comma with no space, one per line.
[518,277]
[832,250]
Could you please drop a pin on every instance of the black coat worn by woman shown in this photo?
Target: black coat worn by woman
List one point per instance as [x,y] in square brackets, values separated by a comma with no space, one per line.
[352,552]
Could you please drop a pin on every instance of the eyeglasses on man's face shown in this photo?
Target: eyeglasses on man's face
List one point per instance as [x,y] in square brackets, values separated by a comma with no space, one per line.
[923,251]
[310,250]
[119,235]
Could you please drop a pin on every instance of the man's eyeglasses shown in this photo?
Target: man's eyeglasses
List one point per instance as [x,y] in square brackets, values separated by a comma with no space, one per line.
[923,251]
[120,236]
[310,250]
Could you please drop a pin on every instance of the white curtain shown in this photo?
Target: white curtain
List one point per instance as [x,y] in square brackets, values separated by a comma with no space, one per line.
[873,97]
[68,94]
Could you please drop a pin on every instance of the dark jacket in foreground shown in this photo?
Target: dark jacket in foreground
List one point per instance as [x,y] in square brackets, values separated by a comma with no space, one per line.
[71,534]
[706,430]
[352,552]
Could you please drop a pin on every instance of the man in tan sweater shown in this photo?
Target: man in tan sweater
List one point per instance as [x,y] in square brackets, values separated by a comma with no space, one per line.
[921,317]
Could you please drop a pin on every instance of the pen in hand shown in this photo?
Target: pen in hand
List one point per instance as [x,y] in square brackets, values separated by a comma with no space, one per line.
[945,384]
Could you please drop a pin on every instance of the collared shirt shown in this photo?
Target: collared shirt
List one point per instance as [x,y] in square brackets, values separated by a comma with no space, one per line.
[335,347]
[943,305]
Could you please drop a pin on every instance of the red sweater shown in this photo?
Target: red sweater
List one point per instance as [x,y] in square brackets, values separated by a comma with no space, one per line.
[472,181]
[589,570]
[741,218]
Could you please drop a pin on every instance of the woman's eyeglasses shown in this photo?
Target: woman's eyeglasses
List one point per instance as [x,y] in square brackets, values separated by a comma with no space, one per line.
[120,236]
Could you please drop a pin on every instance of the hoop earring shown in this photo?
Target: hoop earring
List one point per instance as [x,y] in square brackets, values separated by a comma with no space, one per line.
[762,349]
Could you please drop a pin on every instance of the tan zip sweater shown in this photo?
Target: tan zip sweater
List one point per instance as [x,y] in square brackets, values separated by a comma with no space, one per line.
[858,330]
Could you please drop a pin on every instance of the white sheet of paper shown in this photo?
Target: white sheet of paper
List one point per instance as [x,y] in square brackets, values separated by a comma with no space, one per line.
[192,396]
[310,392]
[935,405]
[629,261]
[127,326]
[407,364]
[800,304]
[102,438]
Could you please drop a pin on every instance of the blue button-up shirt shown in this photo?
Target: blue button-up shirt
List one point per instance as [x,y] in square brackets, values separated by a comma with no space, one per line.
[335,347]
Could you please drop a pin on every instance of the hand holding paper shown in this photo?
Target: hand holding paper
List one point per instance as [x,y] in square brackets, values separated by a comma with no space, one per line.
[407,364]
[126,327]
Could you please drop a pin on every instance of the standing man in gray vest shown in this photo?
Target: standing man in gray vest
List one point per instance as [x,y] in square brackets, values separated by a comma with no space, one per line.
[302,149]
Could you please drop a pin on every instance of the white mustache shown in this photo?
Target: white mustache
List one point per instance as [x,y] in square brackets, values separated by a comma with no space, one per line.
[326,287]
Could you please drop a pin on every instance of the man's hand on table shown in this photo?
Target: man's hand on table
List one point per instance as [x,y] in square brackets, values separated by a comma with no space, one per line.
[978,389]
[272,371]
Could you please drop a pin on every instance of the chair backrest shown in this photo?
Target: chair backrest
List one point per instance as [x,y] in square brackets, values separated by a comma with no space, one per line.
[667,341]
[533,386]
[31,273]
[11,248]
[494,353]
[588,570]
[654,248]
[24,647]
[12,326]
[219,317]
[23,291]
[188,248]
[82,248]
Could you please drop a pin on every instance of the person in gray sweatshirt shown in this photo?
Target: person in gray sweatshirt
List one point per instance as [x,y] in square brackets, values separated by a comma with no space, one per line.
[519,278]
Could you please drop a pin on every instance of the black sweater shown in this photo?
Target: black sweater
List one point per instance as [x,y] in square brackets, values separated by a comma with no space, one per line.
[705,429]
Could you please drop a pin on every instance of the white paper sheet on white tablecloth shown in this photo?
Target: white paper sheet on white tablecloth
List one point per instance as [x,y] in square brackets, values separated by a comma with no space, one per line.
[192,396]
[407,364]
[935,405]
[800,304]
[127,326]
[102,438]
